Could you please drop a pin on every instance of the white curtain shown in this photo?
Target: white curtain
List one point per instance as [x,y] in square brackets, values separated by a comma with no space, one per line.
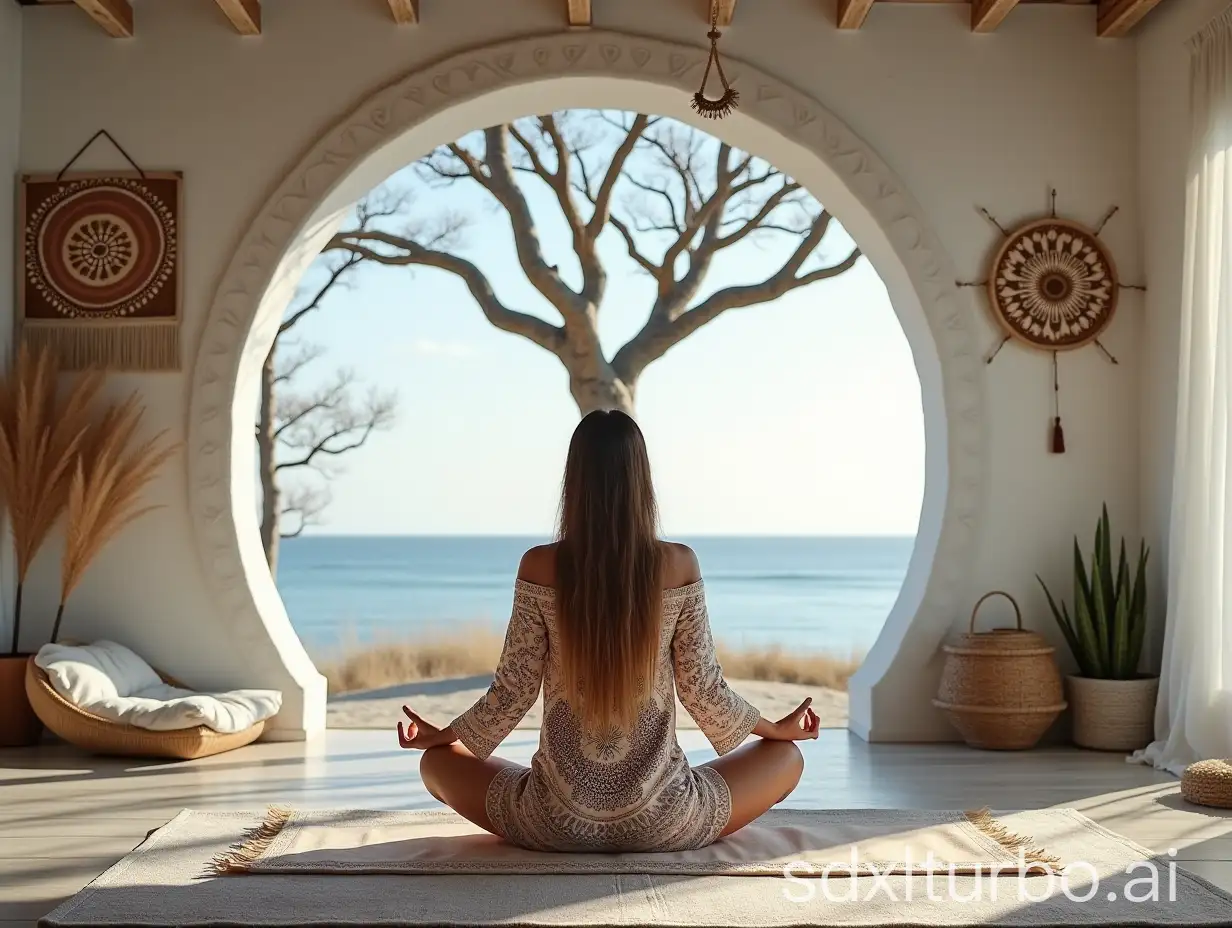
[1193,718]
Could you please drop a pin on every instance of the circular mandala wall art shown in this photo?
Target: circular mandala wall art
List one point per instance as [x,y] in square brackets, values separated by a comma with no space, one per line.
[102,248]
[100,262]
[1053,285]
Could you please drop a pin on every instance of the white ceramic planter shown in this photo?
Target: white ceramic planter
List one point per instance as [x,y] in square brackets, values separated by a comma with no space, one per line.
[1113,715]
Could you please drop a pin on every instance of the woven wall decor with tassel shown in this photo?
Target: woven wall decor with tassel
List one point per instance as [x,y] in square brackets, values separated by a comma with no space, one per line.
[1052,285]
[100,268]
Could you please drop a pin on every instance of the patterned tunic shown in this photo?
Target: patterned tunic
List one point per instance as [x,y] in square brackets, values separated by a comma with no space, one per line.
[618,791]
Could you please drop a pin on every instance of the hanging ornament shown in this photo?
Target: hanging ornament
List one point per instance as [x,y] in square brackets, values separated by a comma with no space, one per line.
[1058,436]
[1052,286]
[723,105]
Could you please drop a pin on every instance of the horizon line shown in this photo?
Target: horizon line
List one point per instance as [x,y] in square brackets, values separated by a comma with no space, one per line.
[767,535]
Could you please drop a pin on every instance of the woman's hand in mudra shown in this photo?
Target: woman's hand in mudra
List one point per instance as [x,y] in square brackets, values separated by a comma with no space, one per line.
[420,735]
[800,725]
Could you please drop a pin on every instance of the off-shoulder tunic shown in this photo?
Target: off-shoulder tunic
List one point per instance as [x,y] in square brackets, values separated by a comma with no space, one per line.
[618,791]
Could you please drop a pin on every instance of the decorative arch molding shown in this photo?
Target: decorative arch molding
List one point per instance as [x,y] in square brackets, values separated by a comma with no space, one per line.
[595,68]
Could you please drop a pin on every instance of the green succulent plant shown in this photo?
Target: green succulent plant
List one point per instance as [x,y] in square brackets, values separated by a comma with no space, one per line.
[1108,625]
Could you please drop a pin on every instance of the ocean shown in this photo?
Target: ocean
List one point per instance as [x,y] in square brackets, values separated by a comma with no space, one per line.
[815,594]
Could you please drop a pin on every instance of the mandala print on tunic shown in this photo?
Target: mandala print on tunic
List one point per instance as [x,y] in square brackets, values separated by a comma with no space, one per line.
[611,790]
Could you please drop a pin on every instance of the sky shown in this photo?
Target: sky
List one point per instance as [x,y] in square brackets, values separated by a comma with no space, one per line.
[798,417]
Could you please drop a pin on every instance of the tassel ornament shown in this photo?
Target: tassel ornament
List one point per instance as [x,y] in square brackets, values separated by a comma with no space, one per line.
[730,99]
[1058,436]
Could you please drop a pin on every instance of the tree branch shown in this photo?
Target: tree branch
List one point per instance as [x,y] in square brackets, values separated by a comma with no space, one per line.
[502,185]
[825,273]
[760,219]
[561,184]
[739,297]
[675,223]
[294,363]
[542,333]
[635,253]
[808,244]
[337,275]
[343,428]
[378,205]
[291,412]
[306,503]
[659,335]
[495,173]
[323,447]
[474,168]
[603,198]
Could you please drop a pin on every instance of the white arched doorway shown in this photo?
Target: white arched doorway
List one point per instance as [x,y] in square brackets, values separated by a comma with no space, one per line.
[598,70]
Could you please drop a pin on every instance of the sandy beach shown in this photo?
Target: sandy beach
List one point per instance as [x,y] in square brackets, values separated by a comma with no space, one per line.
[443,700]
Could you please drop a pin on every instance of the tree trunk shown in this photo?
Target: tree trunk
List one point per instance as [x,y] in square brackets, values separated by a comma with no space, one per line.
[602,393]
[267,466]
[593,381]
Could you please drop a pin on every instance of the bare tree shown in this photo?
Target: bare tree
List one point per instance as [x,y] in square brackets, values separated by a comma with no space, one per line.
[301,433]
[676,197]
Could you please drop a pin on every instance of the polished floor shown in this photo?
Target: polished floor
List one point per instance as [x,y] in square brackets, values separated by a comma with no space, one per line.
[65,817]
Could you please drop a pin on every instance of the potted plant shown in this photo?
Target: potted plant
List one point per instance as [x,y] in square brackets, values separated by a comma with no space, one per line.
[1113,704]
[39,438]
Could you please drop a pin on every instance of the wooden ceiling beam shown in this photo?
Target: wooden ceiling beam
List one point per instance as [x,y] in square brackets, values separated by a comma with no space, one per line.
[579,13]
[852,13]
[115,16]
[245,15]
[986,15]
[405,12]
[727,12]
[1117,17]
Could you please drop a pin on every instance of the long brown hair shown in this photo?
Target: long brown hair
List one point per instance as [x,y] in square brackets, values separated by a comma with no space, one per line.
[609,572]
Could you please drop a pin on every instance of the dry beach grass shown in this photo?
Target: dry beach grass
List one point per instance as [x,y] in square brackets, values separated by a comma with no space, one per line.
[475,650]
[465,652]
[774,665]
[443,673]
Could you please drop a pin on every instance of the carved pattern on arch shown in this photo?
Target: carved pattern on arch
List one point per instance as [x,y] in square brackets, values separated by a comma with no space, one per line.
[400,106]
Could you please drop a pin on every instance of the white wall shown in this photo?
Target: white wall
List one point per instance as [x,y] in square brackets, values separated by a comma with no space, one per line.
[10,158]
[1163,142]
[10,133]
[963,120]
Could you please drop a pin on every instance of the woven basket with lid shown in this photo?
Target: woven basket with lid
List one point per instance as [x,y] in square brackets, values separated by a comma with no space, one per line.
[1000,688]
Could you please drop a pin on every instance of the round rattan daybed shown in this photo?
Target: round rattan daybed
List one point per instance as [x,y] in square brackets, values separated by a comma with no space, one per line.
[103,736]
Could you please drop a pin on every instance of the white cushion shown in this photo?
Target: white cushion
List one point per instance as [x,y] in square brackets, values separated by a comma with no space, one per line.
[110,681]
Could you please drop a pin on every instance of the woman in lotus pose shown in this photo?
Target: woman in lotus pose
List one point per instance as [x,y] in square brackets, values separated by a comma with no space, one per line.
[605,620]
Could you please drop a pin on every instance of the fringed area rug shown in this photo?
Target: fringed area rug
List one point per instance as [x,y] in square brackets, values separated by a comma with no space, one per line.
[835,843]
[1098,879]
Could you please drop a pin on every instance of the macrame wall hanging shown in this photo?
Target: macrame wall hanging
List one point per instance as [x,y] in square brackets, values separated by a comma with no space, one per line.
[1052,285]
[100,266]
[722,105]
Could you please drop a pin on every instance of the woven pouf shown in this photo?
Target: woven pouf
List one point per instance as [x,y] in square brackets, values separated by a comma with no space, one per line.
[1208,783]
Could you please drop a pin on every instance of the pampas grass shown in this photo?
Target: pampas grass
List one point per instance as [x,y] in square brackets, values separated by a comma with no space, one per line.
[104,490]
[39,439]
